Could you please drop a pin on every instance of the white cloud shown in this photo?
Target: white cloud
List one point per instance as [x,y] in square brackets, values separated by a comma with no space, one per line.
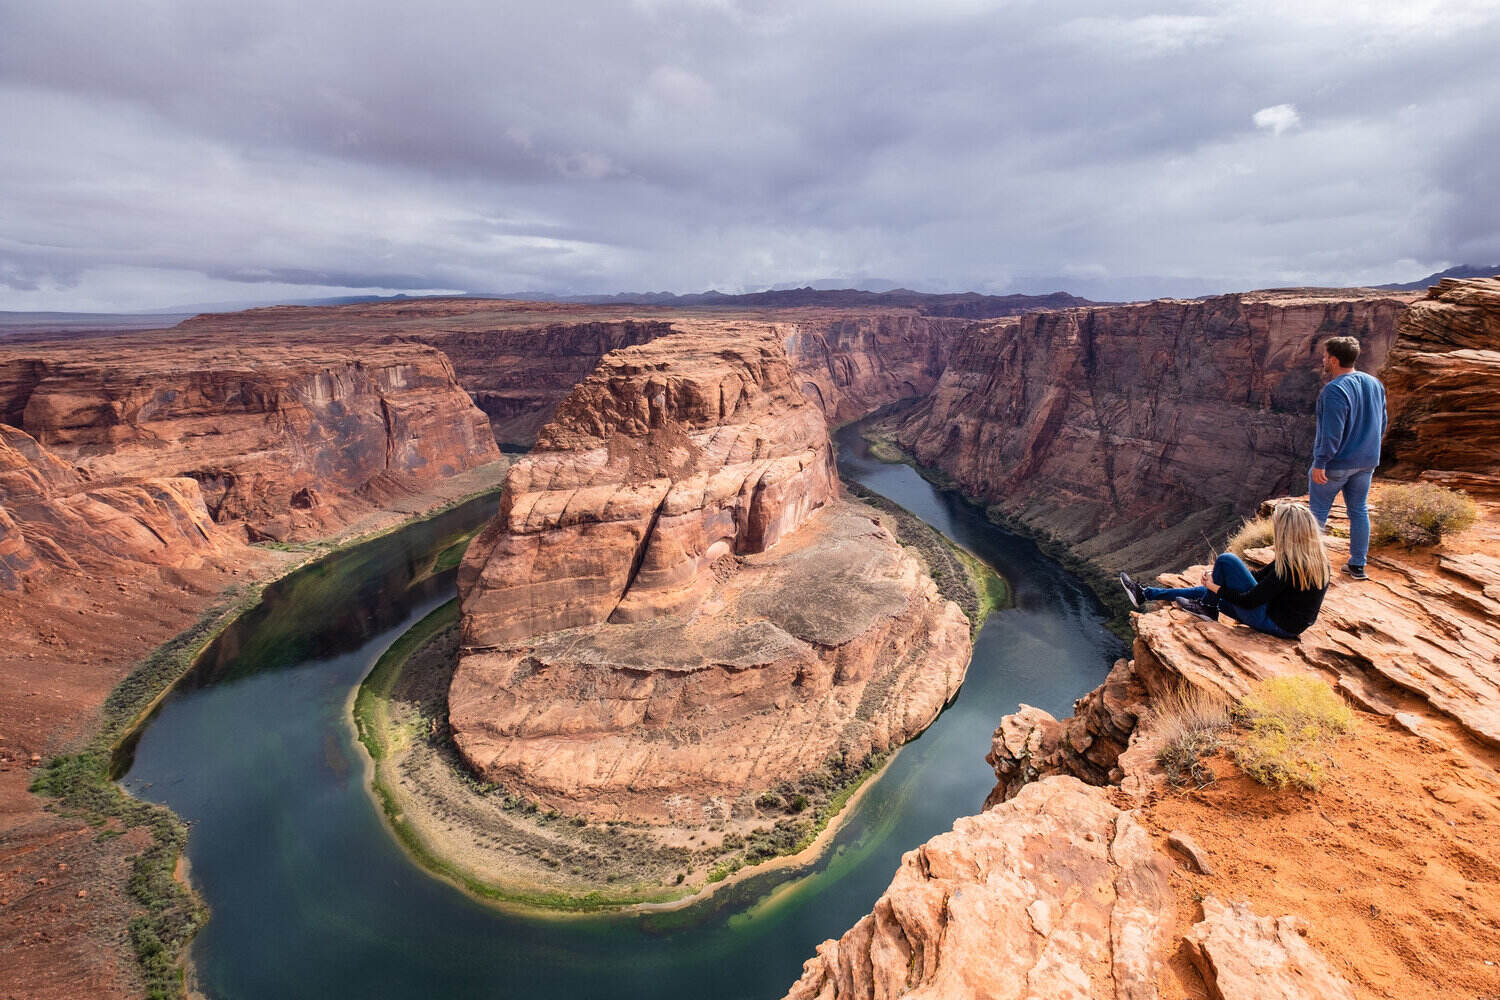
[679,87]
[1150,35]
[1277,118]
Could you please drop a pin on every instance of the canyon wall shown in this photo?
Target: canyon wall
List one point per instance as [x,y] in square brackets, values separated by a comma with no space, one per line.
[673,612]
[50,516]
[1131,432]
[1441,380]
[852,365]
[517,360]
[517,376]
[291,439]
[1088,876]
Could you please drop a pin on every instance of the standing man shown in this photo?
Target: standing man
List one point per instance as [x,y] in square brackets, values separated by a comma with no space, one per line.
[1351,422]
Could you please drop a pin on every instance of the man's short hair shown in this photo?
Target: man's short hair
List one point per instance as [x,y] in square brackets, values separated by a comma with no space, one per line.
[1345,349]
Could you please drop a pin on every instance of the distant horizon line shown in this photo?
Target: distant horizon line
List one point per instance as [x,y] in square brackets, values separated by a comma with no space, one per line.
[819,287]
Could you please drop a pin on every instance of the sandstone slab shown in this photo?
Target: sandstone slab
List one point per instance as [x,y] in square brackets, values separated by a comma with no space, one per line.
[1242,956]
[1054,893]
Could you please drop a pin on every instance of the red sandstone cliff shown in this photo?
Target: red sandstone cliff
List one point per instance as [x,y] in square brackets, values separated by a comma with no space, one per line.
[674,547]
[517,360]
[1441,377]
[852,365]
[517,376]
[1129,431]
[51,517]
[1386,883]
[292,439]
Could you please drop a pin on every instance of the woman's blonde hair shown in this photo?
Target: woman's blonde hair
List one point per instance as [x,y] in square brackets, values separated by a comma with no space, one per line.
[1298,541]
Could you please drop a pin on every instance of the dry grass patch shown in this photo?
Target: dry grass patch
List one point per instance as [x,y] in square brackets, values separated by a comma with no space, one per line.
[1253,533]
[1189,720]
[1420,514]
[1288,723]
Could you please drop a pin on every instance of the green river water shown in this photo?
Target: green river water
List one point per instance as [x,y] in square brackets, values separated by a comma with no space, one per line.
[312,897]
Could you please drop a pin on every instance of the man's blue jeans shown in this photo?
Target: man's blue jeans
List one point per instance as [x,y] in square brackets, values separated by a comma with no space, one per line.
[1355,484]
[1229,571]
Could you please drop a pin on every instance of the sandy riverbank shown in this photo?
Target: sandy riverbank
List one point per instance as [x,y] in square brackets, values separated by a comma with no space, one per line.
[504,851]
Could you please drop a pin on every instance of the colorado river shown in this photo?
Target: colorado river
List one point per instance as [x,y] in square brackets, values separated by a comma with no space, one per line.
[312,897]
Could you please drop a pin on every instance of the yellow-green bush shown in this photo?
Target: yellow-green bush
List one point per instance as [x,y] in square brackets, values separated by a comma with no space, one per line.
[1420,514]
[1253,533]
[1289,722]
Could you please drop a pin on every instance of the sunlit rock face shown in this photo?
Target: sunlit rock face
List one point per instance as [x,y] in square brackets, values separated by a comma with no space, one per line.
[673,610]
[1055,893]
[52,517]
[519,376]
[288,437]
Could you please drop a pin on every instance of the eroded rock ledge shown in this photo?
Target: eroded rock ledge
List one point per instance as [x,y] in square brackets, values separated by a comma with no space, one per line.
[673,612]
[289,439]
[1055,893]
[974,913]
[1397,857]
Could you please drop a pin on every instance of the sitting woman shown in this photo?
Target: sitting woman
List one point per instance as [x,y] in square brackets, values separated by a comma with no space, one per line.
[1281,600]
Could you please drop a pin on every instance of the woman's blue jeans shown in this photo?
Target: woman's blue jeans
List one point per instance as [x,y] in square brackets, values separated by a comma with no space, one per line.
[1229,571]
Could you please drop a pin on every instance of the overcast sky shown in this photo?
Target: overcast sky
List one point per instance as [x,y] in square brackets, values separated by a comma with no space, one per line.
[184,151]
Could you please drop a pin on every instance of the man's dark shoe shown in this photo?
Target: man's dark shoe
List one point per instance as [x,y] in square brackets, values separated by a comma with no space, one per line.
[1133,590]
[1358,572]
[1198,609]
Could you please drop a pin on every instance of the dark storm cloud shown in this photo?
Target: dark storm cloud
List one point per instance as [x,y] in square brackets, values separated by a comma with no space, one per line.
[679,145]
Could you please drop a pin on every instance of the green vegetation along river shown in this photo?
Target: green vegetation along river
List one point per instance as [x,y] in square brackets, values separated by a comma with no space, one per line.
[311,896]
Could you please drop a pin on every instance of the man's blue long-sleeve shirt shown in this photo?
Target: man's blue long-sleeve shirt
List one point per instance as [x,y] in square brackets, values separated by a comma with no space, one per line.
[1351,422]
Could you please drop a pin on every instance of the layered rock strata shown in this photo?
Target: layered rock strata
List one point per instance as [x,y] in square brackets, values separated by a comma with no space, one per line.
[517,376]
[51,517]
[517,360]
[1129,432]
[1055,894]
[1441,380]
[290,439]
[672,612]
[852,365]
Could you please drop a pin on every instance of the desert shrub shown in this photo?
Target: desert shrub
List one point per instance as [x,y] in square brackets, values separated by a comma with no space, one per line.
[1253,533]
[1420,514]
[1189,721]
[1289,721]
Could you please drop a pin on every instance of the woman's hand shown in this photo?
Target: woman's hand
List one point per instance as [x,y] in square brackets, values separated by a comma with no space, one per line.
[1207,580]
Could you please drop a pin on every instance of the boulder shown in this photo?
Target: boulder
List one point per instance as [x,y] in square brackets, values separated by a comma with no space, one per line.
[1242,956]
[1054,893]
